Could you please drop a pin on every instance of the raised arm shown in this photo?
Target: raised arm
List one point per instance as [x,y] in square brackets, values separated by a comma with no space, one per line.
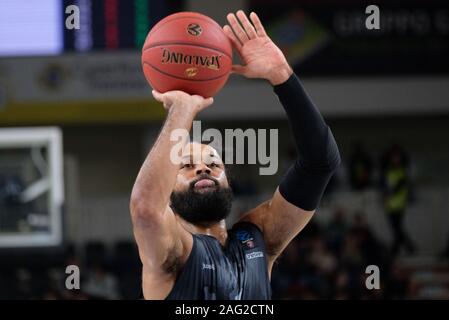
[302,187]
[158,235]
[294,202]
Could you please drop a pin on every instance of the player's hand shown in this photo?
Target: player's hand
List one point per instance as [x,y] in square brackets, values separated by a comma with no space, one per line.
[261,57]
[180,99]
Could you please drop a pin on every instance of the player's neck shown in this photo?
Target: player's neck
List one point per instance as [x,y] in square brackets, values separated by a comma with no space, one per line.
[216,229]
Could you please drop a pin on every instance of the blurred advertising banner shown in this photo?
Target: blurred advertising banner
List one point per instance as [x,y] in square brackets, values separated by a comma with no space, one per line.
[93,88]
[103,87]
[330,37]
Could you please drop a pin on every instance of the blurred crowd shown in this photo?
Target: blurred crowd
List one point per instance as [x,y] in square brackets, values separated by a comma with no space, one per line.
[323,262]
[329,262]
[394,183]
[105,273]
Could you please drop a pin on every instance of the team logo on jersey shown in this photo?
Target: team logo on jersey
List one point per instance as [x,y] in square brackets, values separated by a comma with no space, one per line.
[208,266]
[245,238]
[254,255]
[250,244]
[243,235]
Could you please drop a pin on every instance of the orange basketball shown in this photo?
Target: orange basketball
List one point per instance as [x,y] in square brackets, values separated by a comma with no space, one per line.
[187,51]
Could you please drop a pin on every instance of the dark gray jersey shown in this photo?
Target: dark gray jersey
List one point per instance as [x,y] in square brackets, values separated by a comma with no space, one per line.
[235,271]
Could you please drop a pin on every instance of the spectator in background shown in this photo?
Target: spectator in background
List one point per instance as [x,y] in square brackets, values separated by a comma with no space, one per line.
[398,283]
[445,253]
[336,230]
[286,273]
[324,263]
[351,254]
[101,285]
[395,185]
[360,168]
[312,267]
[342,286]
[370,247]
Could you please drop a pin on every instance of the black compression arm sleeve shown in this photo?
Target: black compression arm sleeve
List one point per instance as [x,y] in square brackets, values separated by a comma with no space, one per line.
[318,154]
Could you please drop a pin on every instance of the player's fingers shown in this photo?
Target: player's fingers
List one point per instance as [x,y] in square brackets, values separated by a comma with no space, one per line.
[203,101]
[157,95]
[207,102]
[249,28]
[230,34]
[257,24]
[165,98]
[237,28]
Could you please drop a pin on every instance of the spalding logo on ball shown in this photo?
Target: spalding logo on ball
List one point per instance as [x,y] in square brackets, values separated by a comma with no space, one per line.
[187,51]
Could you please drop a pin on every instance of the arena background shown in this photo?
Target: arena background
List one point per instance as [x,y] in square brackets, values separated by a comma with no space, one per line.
[78,119]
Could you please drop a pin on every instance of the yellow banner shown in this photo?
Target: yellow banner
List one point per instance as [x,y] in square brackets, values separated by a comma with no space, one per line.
[129,111]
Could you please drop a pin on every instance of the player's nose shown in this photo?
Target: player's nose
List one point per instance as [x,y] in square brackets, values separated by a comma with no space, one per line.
[202,168]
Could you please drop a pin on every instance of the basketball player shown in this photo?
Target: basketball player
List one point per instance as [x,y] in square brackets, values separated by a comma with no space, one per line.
[179,211]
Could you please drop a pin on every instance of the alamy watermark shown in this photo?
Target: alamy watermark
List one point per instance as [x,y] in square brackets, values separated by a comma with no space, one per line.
[373,280]
[372,22]
[73,20]
[73,279]
[257,146]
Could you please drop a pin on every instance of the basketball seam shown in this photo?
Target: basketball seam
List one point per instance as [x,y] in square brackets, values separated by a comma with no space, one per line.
[160,44]
[177,18]
[181,78]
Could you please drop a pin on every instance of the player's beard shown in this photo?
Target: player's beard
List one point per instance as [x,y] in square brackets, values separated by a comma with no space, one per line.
[202,207]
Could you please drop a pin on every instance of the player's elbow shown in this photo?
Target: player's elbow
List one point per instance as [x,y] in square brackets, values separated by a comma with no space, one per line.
[325,162]
[305,182]
[336,161]
[332,155]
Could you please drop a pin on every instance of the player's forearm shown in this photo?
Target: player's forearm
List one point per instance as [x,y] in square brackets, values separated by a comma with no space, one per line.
[318,154]
[308,126]
[157,176]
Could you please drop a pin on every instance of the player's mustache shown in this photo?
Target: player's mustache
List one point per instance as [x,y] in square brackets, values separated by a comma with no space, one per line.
[203,176]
